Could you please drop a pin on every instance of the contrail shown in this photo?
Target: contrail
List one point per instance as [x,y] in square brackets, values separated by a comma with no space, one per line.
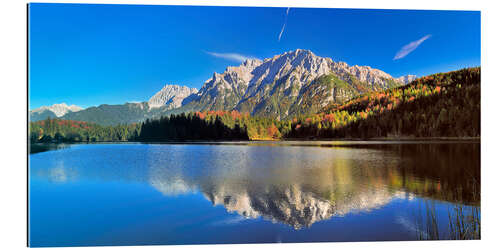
[284,24]
[407,49]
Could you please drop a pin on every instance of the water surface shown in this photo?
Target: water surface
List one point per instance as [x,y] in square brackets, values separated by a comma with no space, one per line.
[136,194]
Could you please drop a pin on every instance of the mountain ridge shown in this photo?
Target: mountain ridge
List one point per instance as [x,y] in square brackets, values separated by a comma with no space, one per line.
[55,110]
[271,87]
[280,87]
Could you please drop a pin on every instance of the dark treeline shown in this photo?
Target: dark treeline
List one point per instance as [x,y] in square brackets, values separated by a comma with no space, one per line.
[209,125]
[175,127]
[190,127]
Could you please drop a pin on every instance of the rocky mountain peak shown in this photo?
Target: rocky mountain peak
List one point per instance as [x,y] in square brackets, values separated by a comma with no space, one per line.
[251,63]
[258,86]
[171,96]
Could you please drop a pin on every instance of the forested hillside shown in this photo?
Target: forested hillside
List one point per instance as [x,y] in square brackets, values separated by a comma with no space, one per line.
[439,105]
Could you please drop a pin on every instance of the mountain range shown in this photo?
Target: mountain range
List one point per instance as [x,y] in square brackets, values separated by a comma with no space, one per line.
[286,85]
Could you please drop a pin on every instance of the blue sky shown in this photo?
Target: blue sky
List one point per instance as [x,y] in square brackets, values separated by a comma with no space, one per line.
[94,54]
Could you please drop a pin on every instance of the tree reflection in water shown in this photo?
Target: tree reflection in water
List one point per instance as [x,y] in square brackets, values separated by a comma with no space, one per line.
[313,186]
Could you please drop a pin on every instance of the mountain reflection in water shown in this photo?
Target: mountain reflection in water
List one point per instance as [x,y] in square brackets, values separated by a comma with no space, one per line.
[294,185]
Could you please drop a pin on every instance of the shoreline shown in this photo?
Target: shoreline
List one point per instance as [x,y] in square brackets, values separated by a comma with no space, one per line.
[315,141]
[395,139]
[34,148]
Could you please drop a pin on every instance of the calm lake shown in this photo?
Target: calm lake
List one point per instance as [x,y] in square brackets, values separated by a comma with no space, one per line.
[253,192]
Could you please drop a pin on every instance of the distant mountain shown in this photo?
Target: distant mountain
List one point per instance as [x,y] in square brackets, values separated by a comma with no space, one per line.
[163,102]
[171,96]
[42,115]
[56,110]
[117,114]
[289,84]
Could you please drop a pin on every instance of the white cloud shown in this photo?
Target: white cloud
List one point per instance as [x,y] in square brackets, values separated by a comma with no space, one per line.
[284,24]
[407,49]
[231,56]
